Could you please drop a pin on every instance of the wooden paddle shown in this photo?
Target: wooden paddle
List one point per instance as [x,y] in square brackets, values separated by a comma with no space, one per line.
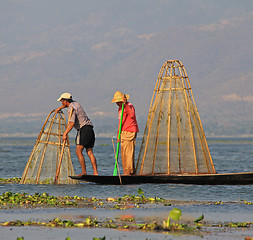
[117,164]
[118,142]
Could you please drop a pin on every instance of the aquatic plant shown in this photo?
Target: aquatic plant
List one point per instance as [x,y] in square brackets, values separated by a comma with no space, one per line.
[198,220]
[126,223]
[175,214]
[16,180]
[9,199]
[21,199]
[10,180]
[140,198]
[140,192]
[238,224]
[247,203]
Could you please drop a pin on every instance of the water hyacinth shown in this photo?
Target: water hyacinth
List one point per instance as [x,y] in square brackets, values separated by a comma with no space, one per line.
[9,199]
[129,222]
[21,199]
[10,180]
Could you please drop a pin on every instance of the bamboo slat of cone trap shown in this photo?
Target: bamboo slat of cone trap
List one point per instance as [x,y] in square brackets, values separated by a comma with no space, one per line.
[42,164]
[174,141]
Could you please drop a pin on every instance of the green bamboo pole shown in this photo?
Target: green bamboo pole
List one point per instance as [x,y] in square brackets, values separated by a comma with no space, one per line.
[118,142]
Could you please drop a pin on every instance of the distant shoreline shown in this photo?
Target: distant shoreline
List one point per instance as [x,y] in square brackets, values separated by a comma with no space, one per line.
[105,135]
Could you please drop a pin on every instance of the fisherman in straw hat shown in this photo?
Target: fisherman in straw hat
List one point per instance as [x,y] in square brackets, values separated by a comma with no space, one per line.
[129,132]
[85,137]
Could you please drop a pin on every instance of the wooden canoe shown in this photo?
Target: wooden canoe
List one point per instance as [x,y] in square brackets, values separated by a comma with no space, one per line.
[243,178]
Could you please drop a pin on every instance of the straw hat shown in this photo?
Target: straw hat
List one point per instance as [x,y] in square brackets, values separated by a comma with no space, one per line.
[119,97]
[64,96]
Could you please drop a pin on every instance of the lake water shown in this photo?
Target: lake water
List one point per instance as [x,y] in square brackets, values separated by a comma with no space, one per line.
[229,155]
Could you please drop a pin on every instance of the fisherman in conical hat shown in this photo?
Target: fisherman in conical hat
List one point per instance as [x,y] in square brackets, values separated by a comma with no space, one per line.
[129,131]
[85,137]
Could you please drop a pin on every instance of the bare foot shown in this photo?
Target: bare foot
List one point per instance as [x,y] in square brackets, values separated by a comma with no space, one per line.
[95,173]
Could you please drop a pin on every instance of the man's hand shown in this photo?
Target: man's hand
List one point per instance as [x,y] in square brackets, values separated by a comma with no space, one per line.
[58,109]
[68,129]
[64,137]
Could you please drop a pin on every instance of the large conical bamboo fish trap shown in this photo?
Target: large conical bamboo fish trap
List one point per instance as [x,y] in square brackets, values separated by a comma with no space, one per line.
[174,141]
[50,159]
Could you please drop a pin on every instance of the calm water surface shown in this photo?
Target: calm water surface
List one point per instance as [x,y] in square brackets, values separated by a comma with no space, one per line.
[229,155]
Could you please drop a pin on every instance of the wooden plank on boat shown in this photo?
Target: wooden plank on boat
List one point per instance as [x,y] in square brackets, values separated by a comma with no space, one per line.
[244,178]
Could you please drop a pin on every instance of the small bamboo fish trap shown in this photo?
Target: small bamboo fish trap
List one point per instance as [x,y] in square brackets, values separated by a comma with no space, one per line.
[174,141]
[50,160]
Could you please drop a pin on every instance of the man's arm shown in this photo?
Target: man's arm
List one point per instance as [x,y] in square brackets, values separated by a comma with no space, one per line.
[68,129]
[59,109]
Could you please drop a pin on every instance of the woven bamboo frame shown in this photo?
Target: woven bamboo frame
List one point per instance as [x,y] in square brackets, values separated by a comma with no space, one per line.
[174,72]
[46,142]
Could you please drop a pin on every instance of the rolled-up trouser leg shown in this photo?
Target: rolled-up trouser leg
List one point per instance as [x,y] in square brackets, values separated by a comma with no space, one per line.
[127,151]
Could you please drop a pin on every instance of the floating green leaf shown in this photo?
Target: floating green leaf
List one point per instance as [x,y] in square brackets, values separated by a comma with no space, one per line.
[102,238]
[175,214]
[140,191]
[199,219]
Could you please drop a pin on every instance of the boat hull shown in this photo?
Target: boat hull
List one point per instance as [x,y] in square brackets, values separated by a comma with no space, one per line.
[199,179]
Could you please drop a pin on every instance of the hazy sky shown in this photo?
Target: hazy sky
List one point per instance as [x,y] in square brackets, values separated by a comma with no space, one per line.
[93,48]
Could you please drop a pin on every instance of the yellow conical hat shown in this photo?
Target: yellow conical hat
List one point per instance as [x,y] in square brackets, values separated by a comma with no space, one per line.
[119,97]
